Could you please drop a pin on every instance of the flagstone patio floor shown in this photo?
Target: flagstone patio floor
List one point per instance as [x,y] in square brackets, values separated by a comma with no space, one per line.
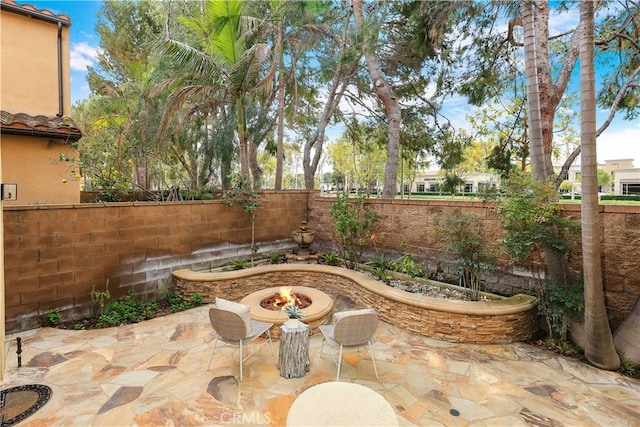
[154,374]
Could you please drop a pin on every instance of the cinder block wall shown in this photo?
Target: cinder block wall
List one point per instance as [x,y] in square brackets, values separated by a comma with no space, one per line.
[412,223]
[55,255]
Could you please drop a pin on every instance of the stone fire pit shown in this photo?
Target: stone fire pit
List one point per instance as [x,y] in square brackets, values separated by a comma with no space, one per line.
[315,314]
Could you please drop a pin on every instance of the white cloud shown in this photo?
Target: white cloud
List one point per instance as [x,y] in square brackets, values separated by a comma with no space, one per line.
[82,55]
[621,143]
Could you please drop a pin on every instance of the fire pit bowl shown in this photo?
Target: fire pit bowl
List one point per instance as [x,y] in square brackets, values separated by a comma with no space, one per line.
[315,314]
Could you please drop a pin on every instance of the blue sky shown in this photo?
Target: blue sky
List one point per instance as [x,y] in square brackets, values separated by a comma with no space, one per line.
[620,141]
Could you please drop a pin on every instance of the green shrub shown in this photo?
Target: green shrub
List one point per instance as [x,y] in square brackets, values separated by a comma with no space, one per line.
[277,258]
[53,317]
[178,303]
[380,268]
[353,227]
[627,368]
[407,264]
[239,265]
[463,241]
[126,310]
[329,258]
[559,304]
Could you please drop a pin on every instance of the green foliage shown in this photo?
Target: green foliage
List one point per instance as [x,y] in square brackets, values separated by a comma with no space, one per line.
[53,317]
[277,258]
[126,310]
[407,264]
[629,198]
[559,304]
[532,220]
[627,368]
[353,228]
[99,299]
[562,346]
[530,216]
[329,258]
[239,264]
[380,268]
[241,193]
[178,303]
[463,240]
[293,312]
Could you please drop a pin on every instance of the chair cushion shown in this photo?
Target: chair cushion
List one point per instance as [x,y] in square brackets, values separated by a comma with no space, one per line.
[342,314]
[242,310]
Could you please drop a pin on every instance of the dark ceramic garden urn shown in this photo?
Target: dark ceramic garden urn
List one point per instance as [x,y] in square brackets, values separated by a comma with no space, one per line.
[303,237]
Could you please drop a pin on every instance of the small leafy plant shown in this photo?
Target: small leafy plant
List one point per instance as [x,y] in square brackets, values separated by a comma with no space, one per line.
[100,298]
[629,369]
[276,258]
[380,268]
[53,317]
[293,312]
[243,194]
[329,258]
[407,264]
[179,303]
[127,310]
[239,264]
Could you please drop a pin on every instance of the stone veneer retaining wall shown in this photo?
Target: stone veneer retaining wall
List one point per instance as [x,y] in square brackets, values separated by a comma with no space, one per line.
[412,222]
[502,321]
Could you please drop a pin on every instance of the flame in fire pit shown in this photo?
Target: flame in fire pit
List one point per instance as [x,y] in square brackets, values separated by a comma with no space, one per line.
[284,298]
[286,294]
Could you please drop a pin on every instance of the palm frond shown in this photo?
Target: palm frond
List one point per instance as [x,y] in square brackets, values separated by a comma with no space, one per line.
[193,61]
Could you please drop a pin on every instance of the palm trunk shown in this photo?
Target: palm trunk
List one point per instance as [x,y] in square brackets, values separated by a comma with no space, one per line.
[281,82]
[600,350]
[242,139]
[540,159]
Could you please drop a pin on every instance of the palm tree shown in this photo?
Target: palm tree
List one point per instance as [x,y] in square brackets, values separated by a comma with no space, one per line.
[225,71]
[600,350]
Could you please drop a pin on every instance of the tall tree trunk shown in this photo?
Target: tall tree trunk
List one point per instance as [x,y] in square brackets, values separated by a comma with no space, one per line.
[281,82]
[341,78]
[540,131]
[600,350]
[533,93]
[254,166]
[391,106]
[242,139]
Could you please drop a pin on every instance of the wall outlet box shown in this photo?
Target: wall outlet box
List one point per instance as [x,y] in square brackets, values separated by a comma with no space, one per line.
[9,191]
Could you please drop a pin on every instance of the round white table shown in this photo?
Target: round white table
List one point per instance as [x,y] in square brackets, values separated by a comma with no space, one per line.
[340,404]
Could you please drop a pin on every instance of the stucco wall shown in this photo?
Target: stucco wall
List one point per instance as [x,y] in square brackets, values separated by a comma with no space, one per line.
[55,255]
[33,164]
[412,222]
[29,65]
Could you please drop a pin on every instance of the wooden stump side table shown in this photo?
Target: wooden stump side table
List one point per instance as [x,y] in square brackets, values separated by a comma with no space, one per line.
[293,360]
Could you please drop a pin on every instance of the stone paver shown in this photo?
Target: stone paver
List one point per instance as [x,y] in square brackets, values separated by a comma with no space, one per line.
[154,374]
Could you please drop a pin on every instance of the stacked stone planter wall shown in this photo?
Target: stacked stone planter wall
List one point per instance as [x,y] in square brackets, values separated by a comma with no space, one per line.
[501,321]
[410,223]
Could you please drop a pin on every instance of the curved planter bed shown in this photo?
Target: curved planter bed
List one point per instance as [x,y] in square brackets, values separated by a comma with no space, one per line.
[502,320]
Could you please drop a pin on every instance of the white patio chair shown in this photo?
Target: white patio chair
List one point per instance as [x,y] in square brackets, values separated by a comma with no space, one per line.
[351,329]
[231,328]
